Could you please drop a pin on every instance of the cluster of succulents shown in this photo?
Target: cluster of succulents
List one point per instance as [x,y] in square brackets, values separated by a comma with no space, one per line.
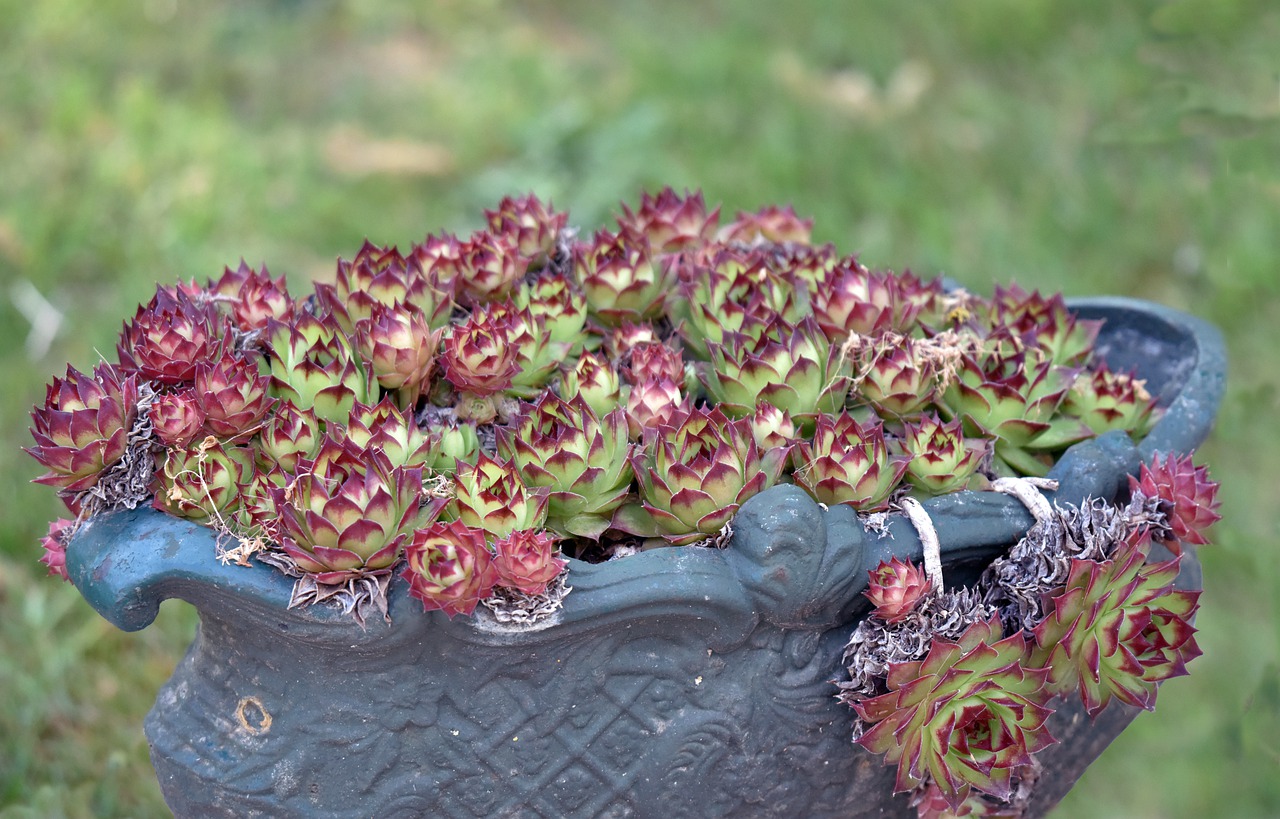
[959,703]
[474,409]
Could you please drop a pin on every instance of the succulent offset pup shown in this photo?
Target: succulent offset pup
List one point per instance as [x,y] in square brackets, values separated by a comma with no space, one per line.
[464,415]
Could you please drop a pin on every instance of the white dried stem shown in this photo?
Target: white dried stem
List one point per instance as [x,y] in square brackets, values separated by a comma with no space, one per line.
[923,524]
[1027,490]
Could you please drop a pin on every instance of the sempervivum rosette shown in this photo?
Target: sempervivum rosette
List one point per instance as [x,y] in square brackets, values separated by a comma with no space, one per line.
[851,299]
[478,359]
[967,716]
[314,367]
[847,462]
[1044,322]
[526,561]
[694,473]
[491,496]
[176,417]
[1184,494]
[83,426]
[449,567]
[400,346]
[1118,629]
[898,379]
[671,222]
[381,276]
[528,225]
[582,460]
[621,278]
[942,458]
[791,366]
[347,512]
[232,396]
[171,335]
[205,482]
[1106,400]
[895,589]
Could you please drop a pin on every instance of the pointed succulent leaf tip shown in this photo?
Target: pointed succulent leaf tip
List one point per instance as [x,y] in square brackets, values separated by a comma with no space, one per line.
[83,426]
[347,512]
[55,547]
[852,299]
[1117,629]
[526,561]
[942,458]
[847,462]
[581,460]
[528,225]
[449,568]
[1187,496]
[967,716]
[1106,400]
[490,495]
[232,396]
[671,222]
[895,589]
[621,278]
[171,335]
[770,224]
[477,356]
[696,470]
[400,346]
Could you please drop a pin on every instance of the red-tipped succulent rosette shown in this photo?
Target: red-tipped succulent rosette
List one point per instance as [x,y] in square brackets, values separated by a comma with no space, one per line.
[1106,400]
[477,357]
[488,268]
[314,367]
[176,417]
[1188,498]
[652,403]
[582,461]
[896,588]
[622,278]
[490,495]
[850,463]
[348,512]
[170,336]
[899,379]
[400,346]
[251,297]
[385,429]
[852,299]
[1045,322]
[55,547]
[288,436]
[791,366]
[381,276]
[526,561]
[671,222]
[204,482]
[559,304]
[233,396]
[596,381]
[773,427]
[449,567]
[1117,629]
[943,460]
[771,224]
[967,716]
[694,473]
[527,224]
[83,426]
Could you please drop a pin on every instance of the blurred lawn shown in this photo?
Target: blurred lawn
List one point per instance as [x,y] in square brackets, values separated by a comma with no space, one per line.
[1087,147]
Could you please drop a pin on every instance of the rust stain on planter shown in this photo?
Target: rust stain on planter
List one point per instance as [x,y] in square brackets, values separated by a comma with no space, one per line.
[251,711]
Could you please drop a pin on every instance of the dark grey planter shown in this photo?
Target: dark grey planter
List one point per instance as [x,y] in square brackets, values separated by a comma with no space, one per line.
[676,683]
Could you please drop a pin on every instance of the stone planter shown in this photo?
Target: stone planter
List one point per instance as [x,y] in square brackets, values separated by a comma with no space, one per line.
[679,682]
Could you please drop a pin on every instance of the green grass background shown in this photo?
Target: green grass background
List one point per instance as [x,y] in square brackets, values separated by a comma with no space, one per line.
[1090,147]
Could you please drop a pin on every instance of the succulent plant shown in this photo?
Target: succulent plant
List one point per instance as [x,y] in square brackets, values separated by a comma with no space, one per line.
[204,482]
[314,367]
[526,561]
[170,336]
[1187,497]
[896,587]
[176,417]
[55,547]
[1106,400]
[851,299]
[967,716]
[898,379]
[400,346]
[528,225]
[232,396]
[83,426]
[477,356]
[583,461]
[847,462]
[694,473]
[771,224]
[1117,629]
[347,512]
[449,567]
[621,279]
[669,221]
[942,459]
[491,496]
